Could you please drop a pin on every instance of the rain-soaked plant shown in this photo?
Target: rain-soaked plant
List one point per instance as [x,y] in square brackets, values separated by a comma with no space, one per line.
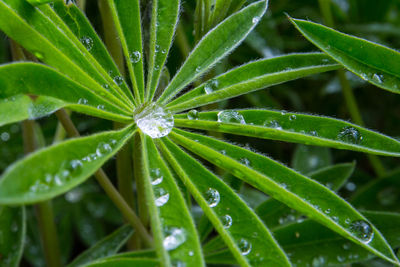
[303,222]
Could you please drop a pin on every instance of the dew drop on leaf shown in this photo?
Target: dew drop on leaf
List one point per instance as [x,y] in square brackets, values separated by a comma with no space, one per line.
[318,261]
[212,197]
[154,121]
[174,237]
[178,263]
[118,80]
[83,101]
[255,19]
[193,115]
[103,148]
[245,161]
[161,196]
[135,57]
[87,42]
[226,221]
[230,116]
[211,86]
[362,230]
[377,78]
[156,176]
[5,136]
[273,124]
[350,135]
[244,246]
[292,117]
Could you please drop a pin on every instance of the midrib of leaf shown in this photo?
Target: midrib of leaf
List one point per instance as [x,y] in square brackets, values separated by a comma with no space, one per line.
[86,80]
[138,91]
[54,18]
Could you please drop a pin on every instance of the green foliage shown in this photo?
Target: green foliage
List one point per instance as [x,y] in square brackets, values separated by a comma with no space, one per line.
[191,198]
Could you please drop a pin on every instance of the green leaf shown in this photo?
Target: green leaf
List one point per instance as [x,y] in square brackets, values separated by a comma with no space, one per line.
[311,242]
[274,213]
[55,170]
[127,20]
[148,253]
[22,107]
[106,247]
[254,76]
[39,2]
[175,237]
[12,232]
[163,25]
[295,190]
[292,127]
[243,232]
[215,45]
[45,38]
[80,26]
[311,158]
[139,262]
[374,63]
[37,79]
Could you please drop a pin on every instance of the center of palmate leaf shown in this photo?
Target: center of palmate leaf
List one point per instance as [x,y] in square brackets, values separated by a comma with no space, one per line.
[154,120]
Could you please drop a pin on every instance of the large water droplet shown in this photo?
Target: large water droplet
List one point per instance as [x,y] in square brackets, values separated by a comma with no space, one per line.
[161,195]
[226,221]
[377,78]
[350,135]
[230,116]
[5,136]
[193,115]
[103,148]
[156,176]
[87,42]
[212,197]
[362,230]
[154,121]
[174,237]
[211,86]
[244,246]
[135,57]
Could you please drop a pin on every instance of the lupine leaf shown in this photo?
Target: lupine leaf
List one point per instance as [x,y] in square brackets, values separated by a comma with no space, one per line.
[175,237]
[374,63]
[163,24]
[229,214]
[39,80]
[139,262]
[214,46]
[289,187]
[293,127]
[106,247]
[52,171]
[44,38]
[13,230]
[254,76]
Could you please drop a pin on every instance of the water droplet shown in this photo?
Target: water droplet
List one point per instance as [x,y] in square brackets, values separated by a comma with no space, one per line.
[226,221]
[178,263]
[106,86]
[230,116]
[350,135]
[193,115]
[161,195]
[157,48]
[292,117]
[87,42]
[313,133]
[174,237]
[163,51]
[103,148]
[211,86]
[154,121]
[340,258]
[244,246]
[362,230]
[256,19]
[327,211]
[198,69]
[212,197]
[83,101]
[118,80]
[318,261]
[191,253]
[245,161]
[346,246]
[5,136]
[101,107]
[135,57]
[223,152]
[156,176]
[273,124]
[377,78]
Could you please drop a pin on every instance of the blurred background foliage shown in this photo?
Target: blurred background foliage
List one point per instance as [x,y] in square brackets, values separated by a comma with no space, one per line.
[85,215]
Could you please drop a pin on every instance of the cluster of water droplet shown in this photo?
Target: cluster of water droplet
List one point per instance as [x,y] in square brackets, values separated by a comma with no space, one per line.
[154,120]
[70,169]
[87,42]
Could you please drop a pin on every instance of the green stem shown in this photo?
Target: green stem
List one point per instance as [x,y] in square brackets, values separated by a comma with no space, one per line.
[108,187]
[351,102]
[44,211]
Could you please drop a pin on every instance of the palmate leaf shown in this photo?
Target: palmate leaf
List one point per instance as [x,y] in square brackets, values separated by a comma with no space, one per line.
[289,187]
[50,41]
[106,247]
[243,232]
[59,168]
[13,230]
[374,63]
[39,80]
[175,237]
[254,76]
[215,45]
[292,127]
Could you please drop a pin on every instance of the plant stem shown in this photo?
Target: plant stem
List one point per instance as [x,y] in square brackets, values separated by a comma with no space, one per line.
[107,186]
[44,211]
[351,102]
